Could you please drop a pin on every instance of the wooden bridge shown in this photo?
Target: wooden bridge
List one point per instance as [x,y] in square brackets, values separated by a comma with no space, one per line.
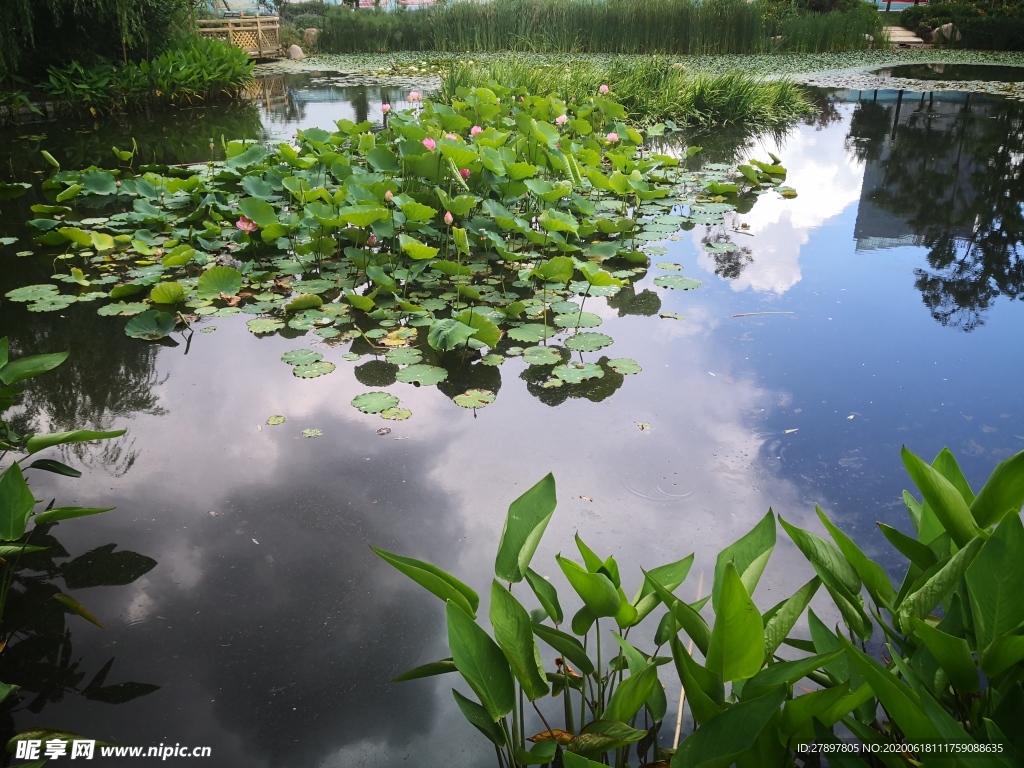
[259,35]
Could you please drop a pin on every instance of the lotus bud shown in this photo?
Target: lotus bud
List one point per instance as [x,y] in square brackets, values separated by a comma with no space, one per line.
[385,108]
[464,173]
[429,143]
[448,218]
[388,196]
[603,89]
[371,240]
[561,120]
[475,130]
[612,137]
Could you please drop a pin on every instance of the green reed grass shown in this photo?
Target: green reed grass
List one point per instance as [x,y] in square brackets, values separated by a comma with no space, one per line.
[594,26]
[651,88]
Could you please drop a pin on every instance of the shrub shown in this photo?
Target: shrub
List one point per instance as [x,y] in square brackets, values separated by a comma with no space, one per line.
[307,20]
[984,26]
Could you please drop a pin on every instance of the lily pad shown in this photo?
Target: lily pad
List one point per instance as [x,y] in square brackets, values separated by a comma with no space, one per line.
[541,356]
[151,325]
[122,308]
[403,356]
[422,374]
[208,329]
[474,398]
[350,356]
[677,282]
[374,402]
[327,333]
[275,420]
[671,266]
[261,325]
[530,333]
[588,342]
[312,433]
[492,359]
[624,365]
[578,320]
[312,370]
[396,414]
[574,373]
[53,303]
[301,357]
[32,292]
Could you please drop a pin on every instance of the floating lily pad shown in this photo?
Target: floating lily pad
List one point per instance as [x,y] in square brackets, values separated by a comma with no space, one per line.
[396,414]
[423,374]
[492,359]
[53,303]
[578,320]
[624,365]
[275,420]
[541,356]
[350,356]
[32,292]
[374,402]
[327,333]
[564,307]
[671,266]
[301,357]
[530,333]
[312,433]
[208,329]
[588,342]
[228,312]
[312,370]
[150,325]
[677,282]
[514,351]
[553,383]
[574,373]
[403,356]
[261,325]
[474,398]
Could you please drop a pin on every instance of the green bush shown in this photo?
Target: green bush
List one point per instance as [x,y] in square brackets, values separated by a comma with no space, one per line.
[307,20]
[982,25]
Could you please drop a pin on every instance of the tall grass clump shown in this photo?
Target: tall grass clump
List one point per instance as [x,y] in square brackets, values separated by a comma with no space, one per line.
[652,89]
[692,27]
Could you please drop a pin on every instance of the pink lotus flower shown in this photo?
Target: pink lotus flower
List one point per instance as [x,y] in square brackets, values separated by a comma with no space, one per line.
[371,240]
[561,120]
[246,224]
[415,96]
[451,136]
[448,218]
[475,130]
[612,137]
[388,196]
[429,143]
[465,173]
[603,89]
[385,108]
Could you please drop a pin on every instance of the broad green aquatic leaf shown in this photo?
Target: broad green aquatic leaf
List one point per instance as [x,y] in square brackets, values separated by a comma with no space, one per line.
[32,292]
[873,575]
[442,667]
[558,221]
[374,402]
[395,414]
[150,326]
[577,320]
[479,718]
[261,325]
[418,212]
[995,583]
[825,555]
[312,370]
[1002,494]
[312,433]
[525,523]
[273,421]
[786,673]
[481,662]
[919,554]
[567,645]
[446,335]
[952,653]
[546,595]
[217,280]
[601,736]
[422,374]
[749,554]
[720,741]
[736,649]
[705,691]
[531,333]
[55,514]
[434,580]
[76,607]
[513,632]
[588,341]
[301,357]
[415,249]
[923,600]
[596,590]
[685,615]
[555,270]
[99,183]
[677,282]
[16,503]
[780,620]
[576,373]
[631,694]
[167,293]
[258,210]
[474,398]
[624,366]
[541,355]
[57,467]
[485,331]
[38,443]
[944,499]
[13,371]
[304,301]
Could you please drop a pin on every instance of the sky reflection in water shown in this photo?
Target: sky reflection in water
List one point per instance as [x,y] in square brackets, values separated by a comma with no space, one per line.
[270,628]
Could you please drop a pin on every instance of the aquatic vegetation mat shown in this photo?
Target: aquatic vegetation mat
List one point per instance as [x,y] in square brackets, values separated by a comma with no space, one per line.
[431,253]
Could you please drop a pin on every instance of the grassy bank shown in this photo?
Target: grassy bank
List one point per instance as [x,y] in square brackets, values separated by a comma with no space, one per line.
[594,26]
[652,89]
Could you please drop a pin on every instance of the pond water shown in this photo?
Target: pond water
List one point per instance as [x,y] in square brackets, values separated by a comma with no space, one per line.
[243,608]
[955,72]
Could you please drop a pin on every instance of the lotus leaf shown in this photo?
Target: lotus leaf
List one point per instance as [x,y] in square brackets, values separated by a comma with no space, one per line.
[474,398]
[492,359]
[541,356]
[422,374]
[396,414]
[677,282]
[577,320]
[312,370]
[671,266]
[301,357]
[219,280]
[624,365]
[150,325]
[167,293]
[403,356]
[261,325]
[530,333]
[312,433]
[123,309]
[275,420]
[574,373]
[588,342]
[53,303]
[303,301]
[32,292]
[374,402]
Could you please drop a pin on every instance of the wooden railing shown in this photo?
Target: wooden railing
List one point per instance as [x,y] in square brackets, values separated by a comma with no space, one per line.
[259,35]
